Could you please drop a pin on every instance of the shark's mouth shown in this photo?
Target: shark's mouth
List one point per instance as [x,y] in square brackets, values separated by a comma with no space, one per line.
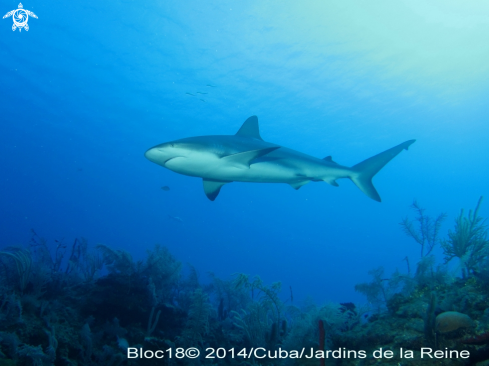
[175,157]
[167,160]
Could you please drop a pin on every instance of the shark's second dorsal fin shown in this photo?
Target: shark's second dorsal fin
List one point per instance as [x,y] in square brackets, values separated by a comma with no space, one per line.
[250,128]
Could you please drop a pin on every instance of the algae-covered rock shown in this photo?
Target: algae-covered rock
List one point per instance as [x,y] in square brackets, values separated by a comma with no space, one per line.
[452,320]
[416,325]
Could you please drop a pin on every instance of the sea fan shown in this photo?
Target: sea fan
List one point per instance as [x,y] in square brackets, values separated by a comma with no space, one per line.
[197,325]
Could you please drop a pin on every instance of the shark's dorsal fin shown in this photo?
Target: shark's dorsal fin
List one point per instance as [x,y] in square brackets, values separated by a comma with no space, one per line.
[329,159]
[243,160]
[250,128]
[212,188]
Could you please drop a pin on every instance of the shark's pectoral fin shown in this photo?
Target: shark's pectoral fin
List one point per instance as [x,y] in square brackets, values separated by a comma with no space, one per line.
[297,185]
[243,160]
[212,188]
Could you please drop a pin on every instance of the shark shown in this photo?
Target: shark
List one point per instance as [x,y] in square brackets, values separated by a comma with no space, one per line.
[246,157]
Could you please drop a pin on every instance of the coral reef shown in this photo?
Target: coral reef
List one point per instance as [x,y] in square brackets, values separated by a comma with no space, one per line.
[69,305]
[468,241]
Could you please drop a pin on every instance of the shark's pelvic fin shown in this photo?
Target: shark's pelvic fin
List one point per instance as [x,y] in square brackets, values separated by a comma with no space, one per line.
[212,188]
[364,172]
[250,128]
[331,181]
[243,160]
[297,185]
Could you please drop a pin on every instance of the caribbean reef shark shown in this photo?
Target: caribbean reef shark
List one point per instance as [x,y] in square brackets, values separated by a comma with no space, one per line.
[245,157]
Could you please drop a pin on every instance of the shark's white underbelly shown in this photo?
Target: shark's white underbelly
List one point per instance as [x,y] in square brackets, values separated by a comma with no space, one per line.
[272,172]
[262,172]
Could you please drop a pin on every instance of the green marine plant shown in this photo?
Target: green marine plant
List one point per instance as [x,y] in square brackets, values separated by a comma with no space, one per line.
[303,327]
[152,322]
[86,344]
[22,260]
[82,263]
[322,340]
[267,296]
[262,320]
[399,282]
[117,261]
[381,290]
[483,270]
[164,272]
[468,240]
[197,326]
[426,232]
[42,255]
[11,342]
[228,297]
[429,321]
[35,354]
[375,291]
[429,275]
[305,330]
[253,322]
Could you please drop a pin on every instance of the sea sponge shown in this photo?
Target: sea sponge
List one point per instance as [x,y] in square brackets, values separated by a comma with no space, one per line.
[452,320]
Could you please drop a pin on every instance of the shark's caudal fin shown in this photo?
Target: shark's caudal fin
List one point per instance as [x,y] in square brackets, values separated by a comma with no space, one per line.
[364,172]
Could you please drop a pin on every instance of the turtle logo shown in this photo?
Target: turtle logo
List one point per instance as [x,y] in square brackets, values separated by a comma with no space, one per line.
[20,17]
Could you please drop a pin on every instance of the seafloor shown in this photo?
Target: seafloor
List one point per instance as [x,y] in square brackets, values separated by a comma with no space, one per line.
[66,304]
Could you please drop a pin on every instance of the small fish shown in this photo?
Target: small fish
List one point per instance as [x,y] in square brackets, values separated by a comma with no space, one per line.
[190,94]
[212,86]
[202,100]
[175,218]
[201,93]
[165,188]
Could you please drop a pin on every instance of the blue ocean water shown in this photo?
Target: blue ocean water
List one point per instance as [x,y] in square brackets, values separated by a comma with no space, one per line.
[92,85]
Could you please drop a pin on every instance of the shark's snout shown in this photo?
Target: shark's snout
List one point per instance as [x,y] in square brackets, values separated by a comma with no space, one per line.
[160,155]
[151,154]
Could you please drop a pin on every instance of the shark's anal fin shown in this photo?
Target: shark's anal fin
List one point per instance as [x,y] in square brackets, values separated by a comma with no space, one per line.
[243,160]
[250,128]
[212,188]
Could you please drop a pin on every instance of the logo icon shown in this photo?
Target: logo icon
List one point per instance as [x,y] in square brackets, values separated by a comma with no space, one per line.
[20,17]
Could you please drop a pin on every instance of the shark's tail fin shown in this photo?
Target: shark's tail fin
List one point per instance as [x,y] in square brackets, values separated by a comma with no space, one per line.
[363,172]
